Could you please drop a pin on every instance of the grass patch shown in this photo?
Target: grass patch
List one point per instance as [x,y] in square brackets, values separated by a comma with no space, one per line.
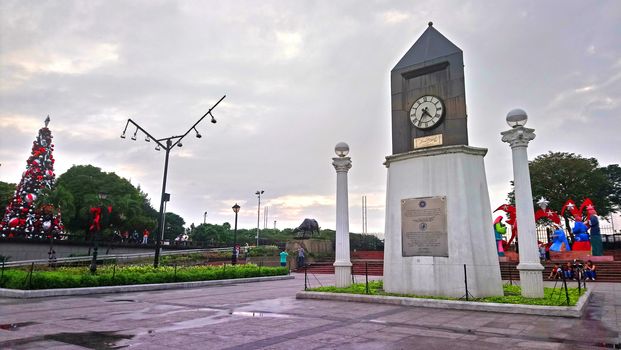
[77,277]
[512,294]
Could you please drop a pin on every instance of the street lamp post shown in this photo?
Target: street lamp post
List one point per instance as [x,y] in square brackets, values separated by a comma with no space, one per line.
[258,193]
[235,251]
[205,218]
[167,143]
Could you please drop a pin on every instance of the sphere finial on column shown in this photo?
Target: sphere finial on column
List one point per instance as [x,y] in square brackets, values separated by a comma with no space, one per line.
[341,149]
[517,117]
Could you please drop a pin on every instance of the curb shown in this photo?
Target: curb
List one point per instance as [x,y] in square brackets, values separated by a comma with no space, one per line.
[40,293]
[560,311]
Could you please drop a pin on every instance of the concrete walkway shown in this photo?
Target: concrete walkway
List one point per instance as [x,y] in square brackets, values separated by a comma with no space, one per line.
[266,315]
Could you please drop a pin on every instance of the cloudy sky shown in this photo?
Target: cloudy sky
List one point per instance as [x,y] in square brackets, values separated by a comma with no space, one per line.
[299,76]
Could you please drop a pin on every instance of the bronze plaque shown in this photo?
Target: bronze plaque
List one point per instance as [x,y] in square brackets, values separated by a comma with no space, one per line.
[423,227]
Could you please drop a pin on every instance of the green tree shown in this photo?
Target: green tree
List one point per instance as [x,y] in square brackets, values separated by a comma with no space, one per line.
[130,206]
[613,173]
[361,241]
[559,176]
[6,194]
[58,197]
[174,226]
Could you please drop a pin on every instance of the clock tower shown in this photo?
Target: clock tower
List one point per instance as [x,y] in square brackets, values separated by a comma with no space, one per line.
[438,215]
[429,95]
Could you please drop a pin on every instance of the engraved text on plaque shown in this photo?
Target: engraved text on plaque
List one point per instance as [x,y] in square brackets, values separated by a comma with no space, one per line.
[423,227]
[428,141]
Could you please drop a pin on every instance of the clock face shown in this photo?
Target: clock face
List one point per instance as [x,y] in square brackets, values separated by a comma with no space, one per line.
[427,112]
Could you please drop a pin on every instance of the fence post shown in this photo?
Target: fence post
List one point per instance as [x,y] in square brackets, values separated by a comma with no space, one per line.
[366,274]
[352,274]
[305,278]
[466,281]
[2,275]
[565,286]
[585,287]
[175,274]
[579,279]
[114,270]
[30,279]
[510,276]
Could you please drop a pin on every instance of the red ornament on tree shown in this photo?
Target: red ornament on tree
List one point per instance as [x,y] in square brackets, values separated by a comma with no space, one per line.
[30,197]
[13,222]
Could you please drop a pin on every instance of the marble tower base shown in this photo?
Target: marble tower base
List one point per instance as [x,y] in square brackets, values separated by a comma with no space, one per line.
[457,172]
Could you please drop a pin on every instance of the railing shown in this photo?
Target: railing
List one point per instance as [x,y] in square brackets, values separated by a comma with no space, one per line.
[606,230]
[117,257]
[612,242]
[81,240]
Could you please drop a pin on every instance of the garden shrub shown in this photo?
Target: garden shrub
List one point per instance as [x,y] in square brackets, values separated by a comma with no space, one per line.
[74,277]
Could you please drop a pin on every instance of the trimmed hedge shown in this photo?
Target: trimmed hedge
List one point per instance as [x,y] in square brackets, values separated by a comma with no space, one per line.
[77,277]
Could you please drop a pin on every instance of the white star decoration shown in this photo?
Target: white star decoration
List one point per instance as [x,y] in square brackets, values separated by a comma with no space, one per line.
[543,203]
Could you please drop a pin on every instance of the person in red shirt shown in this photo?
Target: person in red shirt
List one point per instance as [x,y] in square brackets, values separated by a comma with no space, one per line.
[145,236]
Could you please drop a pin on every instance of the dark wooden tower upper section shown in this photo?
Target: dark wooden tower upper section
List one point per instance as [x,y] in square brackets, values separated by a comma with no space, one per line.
[432,66]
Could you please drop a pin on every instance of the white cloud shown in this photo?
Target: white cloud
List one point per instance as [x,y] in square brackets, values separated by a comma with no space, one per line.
[290,44]
[394,16]
[21,123]
[77,60]
[585,89]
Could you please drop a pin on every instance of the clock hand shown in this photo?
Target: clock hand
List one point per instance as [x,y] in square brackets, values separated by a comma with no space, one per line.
[425,112]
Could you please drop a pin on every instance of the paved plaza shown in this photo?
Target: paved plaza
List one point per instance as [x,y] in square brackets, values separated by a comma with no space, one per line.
[266,315]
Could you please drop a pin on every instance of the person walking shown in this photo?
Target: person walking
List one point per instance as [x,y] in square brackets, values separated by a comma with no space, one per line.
[283,258]
[145,236]
[301,257]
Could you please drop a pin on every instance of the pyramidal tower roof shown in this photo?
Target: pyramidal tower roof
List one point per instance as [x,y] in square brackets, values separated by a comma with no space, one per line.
[431,45]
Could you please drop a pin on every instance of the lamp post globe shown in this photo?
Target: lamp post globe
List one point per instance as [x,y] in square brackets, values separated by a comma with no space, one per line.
[517,117]
[341,149]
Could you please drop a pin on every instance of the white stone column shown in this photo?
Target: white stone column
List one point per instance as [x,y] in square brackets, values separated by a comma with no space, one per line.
[531,277]
[342,263]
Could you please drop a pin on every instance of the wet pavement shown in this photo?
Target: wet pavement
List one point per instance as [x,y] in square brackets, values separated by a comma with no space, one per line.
[266,315]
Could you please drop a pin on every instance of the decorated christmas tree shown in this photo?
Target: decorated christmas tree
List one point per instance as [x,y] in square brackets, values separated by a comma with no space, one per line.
[22,217]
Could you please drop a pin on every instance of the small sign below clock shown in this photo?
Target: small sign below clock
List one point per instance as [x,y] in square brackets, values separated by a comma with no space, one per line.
[428,141]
